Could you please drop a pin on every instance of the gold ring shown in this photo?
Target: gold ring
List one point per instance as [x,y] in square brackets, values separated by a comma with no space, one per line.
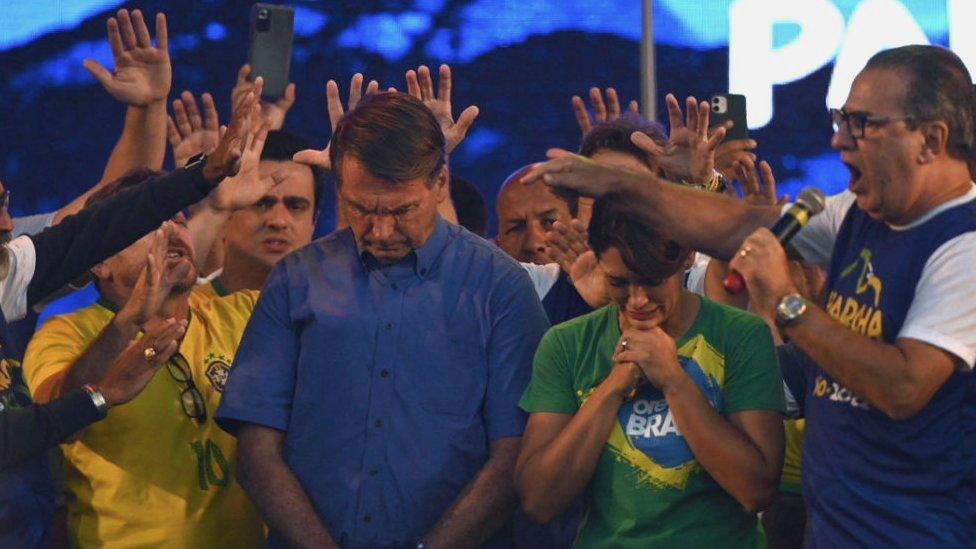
[623,345]
[149,354]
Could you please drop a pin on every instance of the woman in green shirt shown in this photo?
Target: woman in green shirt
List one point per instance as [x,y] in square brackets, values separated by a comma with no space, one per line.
[663,409]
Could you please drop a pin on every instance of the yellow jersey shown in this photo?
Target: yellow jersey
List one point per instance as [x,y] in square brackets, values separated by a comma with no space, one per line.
[790,480]
[148,475]
[205,292]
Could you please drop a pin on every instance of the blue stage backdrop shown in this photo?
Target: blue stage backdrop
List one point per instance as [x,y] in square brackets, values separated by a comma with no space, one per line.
[520,61]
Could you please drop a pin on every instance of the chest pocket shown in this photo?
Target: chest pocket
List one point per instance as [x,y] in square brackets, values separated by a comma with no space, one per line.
[453,373]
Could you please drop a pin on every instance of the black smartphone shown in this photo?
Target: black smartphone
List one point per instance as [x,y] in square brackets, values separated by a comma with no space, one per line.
[272,31]
[730,106]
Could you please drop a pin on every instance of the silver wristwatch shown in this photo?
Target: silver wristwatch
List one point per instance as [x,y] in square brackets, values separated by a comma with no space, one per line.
[790,308]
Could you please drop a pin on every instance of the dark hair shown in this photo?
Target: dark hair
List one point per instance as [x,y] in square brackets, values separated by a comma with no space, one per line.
[614,135]
[938,87]
[281,146]
[648,253]
[393,135]
[130,178]
[469,203]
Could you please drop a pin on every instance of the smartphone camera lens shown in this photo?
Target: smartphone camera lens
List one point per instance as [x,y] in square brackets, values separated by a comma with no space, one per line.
[263,23]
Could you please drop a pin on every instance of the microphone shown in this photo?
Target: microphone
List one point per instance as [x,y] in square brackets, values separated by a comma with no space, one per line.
[810,202]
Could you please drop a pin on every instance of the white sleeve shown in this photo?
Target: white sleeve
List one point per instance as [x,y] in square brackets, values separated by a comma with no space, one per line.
[33,224]
[816,241]
[543,276]
[13,287]
[696,274]
[943,312]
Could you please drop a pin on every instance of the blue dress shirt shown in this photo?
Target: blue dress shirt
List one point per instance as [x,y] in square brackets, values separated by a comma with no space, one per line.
[390,382]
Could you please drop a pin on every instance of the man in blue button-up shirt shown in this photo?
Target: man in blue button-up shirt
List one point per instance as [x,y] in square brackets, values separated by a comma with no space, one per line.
[375,390]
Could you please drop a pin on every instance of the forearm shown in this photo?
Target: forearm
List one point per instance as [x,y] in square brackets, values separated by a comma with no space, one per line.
[94,234]
[279,497]
[550,479]
[485,504]
[142,143]
[97,360]
[27,432]
[712,223]
[205,225]
[724,451]
[871,370]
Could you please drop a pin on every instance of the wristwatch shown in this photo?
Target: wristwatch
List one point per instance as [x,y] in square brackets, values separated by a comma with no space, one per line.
[790,308]
[97,399]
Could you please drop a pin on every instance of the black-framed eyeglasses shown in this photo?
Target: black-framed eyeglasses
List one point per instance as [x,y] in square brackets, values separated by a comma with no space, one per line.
[5,200]
[856,122]
[192,400]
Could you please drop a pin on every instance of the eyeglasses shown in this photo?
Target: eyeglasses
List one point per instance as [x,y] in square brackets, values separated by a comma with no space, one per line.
[856,122]
[5,201]
[191,399]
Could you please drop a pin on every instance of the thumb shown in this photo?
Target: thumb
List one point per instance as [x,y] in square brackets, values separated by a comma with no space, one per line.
[98,71]
[467,117]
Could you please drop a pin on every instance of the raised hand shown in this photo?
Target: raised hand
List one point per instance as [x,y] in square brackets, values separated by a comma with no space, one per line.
[730,152]
[566,245]
[689,154]
[320,158]
[190,133]
[756,190]
[155,282]
[420,84]
[273,111]
[224,160]
[247,187]
[142,72]
[602,111]
[132,369]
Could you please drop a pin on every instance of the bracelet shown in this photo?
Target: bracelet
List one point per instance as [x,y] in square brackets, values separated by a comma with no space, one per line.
[97,399]
[715,184]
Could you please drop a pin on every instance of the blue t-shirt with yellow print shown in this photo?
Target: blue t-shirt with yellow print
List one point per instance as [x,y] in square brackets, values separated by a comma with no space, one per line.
[869,480]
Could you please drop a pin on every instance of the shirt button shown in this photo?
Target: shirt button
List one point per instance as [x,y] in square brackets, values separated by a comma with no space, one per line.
[423,272]
[394,286]
[384,373]
[389,325]
[367,518]
[378,423]
[373,472]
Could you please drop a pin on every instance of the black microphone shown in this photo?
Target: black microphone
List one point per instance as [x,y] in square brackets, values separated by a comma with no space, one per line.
[810,202]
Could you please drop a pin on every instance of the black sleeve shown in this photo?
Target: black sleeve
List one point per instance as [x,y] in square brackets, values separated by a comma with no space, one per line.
[81,241]
[795,366]
[29,431]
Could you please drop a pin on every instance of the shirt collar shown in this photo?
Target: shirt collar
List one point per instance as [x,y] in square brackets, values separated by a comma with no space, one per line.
[423,257]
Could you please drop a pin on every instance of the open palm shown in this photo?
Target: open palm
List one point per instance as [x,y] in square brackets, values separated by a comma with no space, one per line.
[143,73]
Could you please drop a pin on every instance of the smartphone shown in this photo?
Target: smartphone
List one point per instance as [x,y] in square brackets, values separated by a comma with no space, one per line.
[730,106]
[272,31]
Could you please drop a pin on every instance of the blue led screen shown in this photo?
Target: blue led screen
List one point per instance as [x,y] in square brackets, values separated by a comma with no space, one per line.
[519,61]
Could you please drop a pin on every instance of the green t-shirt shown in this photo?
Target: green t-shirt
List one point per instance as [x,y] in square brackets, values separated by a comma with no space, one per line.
[648,490]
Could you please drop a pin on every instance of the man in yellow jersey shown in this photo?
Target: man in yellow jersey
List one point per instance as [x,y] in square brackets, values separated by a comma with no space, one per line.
[158,472]
[280,222]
